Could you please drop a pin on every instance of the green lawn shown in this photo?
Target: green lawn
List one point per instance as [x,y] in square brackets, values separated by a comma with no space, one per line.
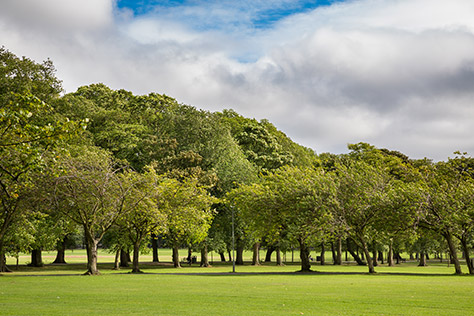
[266,290]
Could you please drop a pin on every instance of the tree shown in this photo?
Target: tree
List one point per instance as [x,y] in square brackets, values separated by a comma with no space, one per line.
[148,216]
[376,199]
[25,138]
[29,129]
[450,203]
[93,192]
[291,202]
[190,213]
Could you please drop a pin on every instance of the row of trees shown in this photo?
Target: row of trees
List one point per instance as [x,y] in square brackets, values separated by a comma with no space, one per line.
[122,168]
[370,196]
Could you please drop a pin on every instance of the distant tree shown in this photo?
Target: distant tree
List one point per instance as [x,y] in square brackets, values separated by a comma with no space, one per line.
[149,214]
[291,201]
[190,214]
[450,203]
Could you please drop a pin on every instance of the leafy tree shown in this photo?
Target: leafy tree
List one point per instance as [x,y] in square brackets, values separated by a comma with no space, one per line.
[149,215]
[449,209]
[291,202]
[374,201]
[24,140]
[190,214]
[93,192]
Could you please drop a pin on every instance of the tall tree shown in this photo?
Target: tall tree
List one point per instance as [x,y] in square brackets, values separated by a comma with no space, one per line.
[93,192]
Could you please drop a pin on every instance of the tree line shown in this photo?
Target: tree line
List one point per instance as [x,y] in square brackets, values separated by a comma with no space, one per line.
[122,170]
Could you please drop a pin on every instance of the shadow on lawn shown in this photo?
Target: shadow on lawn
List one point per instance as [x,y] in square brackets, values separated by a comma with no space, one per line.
[77,269]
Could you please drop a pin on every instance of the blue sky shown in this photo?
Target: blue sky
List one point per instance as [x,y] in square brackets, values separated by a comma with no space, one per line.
[394,73]
[263,13]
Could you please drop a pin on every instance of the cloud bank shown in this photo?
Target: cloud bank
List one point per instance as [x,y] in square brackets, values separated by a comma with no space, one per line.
[397,74]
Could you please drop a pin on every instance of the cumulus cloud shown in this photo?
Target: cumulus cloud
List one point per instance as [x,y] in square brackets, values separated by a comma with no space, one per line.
[398,74]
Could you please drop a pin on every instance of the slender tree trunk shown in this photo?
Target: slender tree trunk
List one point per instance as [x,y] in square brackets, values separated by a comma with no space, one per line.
[390,254]
[353,254]
[304,256]
[3,262]
[222,256]
[339,251]
[230,254]
[92,256]
[374,257]
[268,255]
[367,255]
[36,258]
[154,246]
[136,257]
[422,262]
[117,260]
[61,254]
[176,257]
[240,254]
[453,252]
[256,254]
[333,253]
[411,256]
[398,257]
[465,249]
[205,257]
[190,255]
[279,262]
[323,254]
[124,259]
[380,255]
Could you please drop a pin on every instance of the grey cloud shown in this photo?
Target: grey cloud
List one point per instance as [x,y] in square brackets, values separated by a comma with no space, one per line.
[373,71]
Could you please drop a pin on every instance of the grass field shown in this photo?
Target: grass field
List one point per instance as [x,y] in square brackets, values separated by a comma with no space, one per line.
[266,290]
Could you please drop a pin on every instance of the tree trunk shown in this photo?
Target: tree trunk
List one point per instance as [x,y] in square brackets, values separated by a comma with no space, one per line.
[380,255]
[205,257]
[339,251]
[279,262]
[465,249]
[36,258]
[117,260]
[92,256]
[367,255]
[268,255]
[3,262]
[256,254]
[304,256]
[154,246]
[398,257]
[136,257]
[390,254]
[230,254]
[333,253]
[354,255]
[176,257]
[124,258]
[323,254]
[190,255]
[452,251]
[374,257]
[422,262]
[61,254]
[222,256]
[240,255]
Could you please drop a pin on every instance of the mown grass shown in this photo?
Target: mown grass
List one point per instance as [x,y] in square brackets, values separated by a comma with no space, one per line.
[264,290]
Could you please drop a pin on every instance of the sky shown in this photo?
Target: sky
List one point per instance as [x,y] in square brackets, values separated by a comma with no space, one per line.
[397,74]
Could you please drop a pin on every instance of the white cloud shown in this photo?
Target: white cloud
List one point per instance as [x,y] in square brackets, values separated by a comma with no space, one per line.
[398,74]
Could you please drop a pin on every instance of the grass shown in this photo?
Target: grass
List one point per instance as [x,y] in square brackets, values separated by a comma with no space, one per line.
[265,290]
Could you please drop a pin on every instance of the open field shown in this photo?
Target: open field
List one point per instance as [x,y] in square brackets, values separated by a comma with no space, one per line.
[266,290]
